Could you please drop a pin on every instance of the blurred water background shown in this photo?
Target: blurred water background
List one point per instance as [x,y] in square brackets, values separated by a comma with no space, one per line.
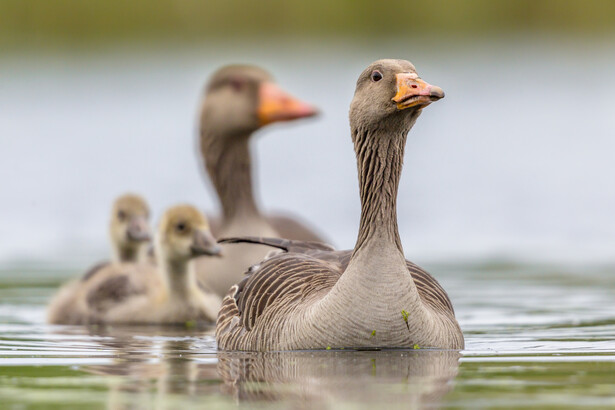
[99,98]
[507,194]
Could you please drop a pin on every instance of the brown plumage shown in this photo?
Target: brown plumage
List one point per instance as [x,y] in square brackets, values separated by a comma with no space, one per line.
[238,101]
[310,296]
[141,293]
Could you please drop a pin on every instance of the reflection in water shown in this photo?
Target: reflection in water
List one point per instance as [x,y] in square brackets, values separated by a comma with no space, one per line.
[156,365]
[153,367]
[409,378]
[558,354]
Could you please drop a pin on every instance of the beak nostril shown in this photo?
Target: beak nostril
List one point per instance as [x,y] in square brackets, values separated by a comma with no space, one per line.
[415,86]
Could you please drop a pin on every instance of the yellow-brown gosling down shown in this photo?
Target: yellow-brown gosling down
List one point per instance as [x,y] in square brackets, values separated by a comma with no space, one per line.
[129,229]
[133,293]
[238,101]
[313,297]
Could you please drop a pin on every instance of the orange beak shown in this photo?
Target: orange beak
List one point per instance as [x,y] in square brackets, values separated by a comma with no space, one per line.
[412,92]
[276,105]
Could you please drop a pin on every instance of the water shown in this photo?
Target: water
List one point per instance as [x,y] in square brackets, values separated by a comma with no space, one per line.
[515,162]
[506,197]
[537,336]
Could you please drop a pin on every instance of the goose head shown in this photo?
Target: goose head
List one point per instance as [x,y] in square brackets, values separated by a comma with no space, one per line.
[183,234]
[239,99]
[129,228]
[390,94]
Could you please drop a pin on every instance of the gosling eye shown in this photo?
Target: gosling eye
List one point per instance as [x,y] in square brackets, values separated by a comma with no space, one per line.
[376,76]
[121,215]
[181,227]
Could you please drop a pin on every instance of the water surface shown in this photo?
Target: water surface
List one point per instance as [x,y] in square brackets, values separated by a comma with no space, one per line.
[515,164]
[537,336]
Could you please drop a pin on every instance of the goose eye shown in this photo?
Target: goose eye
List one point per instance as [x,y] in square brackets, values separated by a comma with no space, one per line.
[121,215]
[181,227]
[237,84]
[376,76]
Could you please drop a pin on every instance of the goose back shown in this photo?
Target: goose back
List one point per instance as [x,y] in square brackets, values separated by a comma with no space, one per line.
[303,271]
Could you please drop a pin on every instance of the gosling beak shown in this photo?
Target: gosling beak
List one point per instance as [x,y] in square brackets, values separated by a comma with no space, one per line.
[412,92]
[204,243]
[138,229]
[276,105]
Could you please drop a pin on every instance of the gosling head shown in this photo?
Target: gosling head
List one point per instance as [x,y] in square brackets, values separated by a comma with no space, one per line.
[129,228]
[183,234]
[390,93]
[239,99]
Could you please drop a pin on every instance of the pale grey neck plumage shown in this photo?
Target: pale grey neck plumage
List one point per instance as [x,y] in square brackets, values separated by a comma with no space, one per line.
[380,154]
[229,166]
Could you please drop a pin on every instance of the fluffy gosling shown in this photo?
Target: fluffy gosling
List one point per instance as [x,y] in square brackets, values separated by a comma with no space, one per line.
[130,293]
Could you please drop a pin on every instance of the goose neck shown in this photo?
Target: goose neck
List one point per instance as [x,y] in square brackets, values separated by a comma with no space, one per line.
[177,276]
[228,164]
[130,254]
[379,162]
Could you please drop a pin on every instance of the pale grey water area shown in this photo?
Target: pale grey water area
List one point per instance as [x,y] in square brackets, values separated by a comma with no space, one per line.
[516,161]
[507,198]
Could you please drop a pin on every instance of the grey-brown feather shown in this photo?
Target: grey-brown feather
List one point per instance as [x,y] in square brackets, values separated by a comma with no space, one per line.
[307,297]
[112,291]
[304,270]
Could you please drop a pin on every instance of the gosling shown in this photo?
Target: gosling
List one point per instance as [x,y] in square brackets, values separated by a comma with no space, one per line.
[129,229]
[141,293]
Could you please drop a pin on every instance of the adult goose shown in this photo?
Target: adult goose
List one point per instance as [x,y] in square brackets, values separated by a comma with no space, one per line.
[239,100]
[311,296]
[130,293]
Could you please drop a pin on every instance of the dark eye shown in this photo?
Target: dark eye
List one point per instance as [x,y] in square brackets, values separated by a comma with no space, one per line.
[237,84]
[121,215]
[376,76]
[181,227]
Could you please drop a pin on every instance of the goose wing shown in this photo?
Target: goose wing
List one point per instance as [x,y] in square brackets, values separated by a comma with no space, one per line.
[288,245]
[277,283]
[114,286]
[431,292]
[303,270]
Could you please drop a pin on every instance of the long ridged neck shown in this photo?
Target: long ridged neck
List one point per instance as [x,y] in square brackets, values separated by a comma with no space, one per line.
[228,164]
[380,156]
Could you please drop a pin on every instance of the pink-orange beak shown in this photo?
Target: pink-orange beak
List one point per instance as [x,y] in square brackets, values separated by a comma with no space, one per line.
[412,92]
[276,105]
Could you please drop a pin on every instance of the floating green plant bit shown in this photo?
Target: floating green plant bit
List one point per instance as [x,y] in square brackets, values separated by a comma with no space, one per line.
[190,324]
[404,314]
[416,347]
[373,333]
[328,347]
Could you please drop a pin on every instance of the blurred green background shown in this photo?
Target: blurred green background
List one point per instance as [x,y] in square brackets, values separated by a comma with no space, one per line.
[88,23]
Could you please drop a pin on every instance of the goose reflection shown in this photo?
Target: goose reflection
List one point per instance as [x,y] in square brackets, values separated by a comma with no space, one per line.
[163,368]
[152,366]
[416,378]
